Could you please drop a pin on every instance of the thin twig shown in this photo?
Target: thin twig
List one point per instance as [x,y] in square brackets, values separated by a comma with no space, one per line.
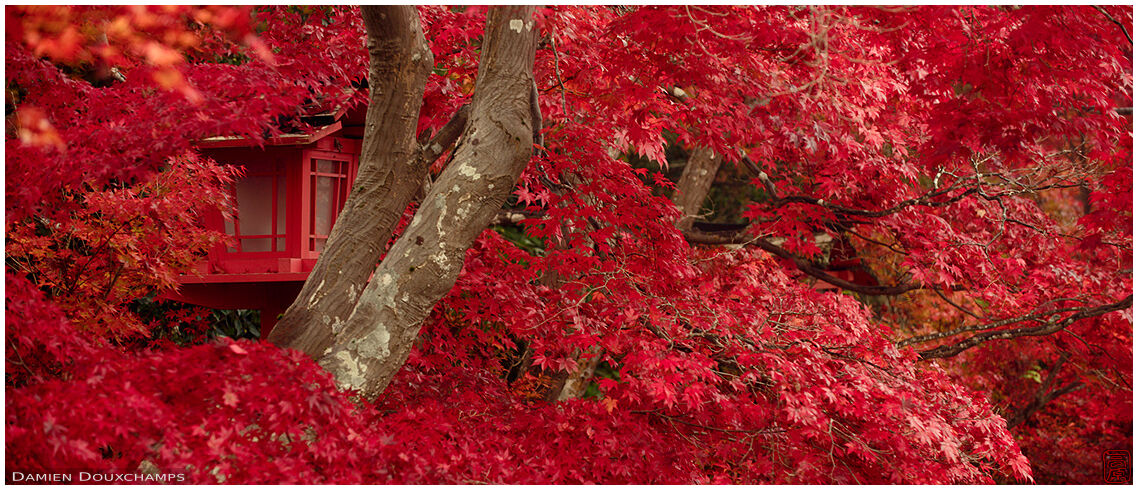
[1117,23]
[557,73]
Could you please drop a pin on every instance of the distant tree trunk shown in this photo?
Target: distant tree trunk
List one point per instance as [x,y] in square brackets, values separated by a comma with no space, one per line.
[691,192]
[387,180]
[577,382]
[567,385]
[424,263]
[694,184]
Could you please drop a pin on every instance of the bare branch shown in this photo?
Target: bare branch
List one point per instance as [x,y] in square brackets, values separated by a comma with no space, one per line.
[1117,23]
[954,305]
[923,200]
[1045,394]
[1047,328]
[1039,316]
[557,73]
[445,138]
[742,238]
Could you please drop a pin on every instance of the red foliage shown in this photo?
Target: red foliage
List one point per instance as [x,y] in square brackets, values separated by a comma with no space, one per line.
[947,145]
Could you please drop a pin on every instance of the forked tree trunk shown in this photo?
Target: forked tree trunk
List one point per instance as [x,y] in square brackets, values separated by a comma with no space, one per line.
[423,264]
[387,180]
[694,184]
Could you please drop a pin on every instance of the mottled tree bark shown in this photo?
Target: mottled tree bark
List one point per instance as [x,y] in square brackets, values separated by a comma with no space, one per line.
[388,177]
[695,183]
[423,264]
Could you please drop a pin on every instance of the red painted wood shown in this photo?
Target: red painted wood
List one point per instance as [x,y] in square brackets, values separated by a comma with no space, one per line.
[269,281]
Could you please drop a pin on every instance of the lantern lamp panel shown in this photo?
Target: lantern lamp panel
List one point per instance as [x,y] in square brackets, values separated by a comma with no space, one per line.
[260,223]
[329,183]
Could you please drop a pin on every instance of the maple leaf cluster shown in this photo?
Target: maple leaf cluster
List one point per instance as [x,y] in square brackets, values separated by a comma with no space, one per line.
[971,159]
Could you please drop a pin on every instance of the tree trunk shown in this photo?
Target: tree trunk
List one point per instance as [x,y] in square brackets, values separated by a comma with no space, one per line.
[576,383]
[387,180]
[694,184]
[423,264]
[691,191]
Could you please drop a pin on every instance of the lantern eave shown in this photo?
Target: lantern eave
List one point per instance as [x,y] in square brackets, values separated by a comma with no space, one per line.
[290,139]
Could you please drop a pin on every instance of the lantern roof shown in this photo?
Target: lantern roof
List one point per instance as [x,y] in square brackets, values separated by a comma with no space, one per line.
[287,139]
[320,120]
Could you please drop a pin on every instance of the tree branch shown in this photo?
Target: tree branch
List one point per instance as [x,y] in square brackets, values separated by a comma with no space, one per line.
[445,138]
[1117,23]
[821,274]
[924,200]
[741,238]
[1046,328]
[986,326]
[954,305]
[1044,394]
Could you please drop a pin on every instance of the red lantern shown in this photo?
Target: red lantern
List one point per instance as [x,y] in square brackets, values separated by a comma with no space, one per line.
[285,206]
